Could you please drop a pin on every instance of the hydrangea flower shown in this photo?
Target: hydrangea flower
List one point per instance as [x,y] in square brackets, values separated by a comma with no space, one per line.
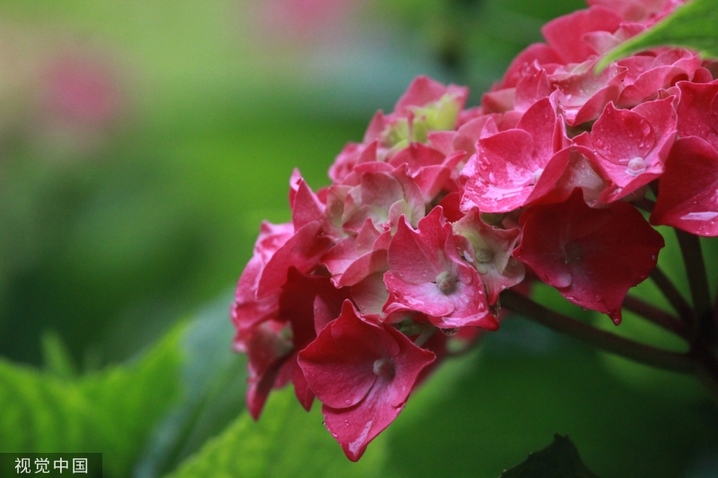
[558,176]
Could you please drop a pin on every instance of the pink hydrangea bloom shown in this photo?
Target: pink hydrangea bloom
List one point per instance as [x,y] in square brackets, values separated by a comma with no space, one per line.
[688,197]
[591,256]
[442,208]
[378,367]
[428,273]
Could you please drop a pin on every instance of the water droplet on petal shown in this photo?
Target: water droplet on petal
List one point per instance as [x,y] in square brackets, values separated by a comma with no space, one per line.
[636,166]
[562,279]
[450,332]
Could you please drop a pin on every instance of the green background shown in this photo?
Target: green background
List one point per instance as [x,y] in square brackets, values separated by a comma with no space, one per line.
[104,248]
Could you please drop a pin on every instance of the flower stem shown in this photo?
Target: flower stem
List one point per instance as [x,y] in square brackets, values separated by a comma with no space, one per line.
[690,245]
[656,315]
[425,335]
[669,290]
[645,204]
[707,370]
[601,339]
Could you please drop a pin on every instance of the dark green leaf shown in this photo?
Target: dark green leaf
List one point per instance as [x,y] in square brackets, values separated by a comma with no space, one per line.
[559,460]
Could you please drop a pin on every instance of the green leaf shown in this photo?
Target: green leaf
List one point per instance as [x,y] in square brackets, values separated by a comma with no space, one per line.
[213,386]
[692,25]
[110,412]
[56,356]
[559,460]
[285,441]
[145,416]
[129,400]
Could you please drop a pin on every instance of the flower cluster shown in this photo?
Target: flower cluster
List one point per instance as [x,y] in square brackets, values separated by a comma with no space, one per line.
[558,176]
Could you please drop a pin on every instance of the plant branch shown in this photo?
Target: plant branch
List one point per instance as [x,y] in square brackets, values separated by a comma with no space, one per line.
[657,316]
[645,204]
[698,280]
[674,296]
[425,335]
[603,340]
[707,370]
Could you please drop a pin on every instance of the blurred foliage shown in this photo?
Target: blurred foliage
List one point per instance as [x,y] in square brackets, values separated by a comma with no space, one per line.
[285,442]
[558,460]
[110,412]
[127,209]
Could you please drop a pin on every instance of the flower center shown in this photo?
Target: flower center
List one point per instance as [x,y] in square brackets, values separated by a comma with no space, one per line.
[384,368]
[484,259]
[446,282]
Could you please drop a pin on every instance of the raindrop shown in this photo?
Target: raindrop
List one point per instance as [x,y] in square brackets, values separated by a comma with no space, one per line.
[636,166]
[700,216]
[645,130]
[467,256]
[562,279]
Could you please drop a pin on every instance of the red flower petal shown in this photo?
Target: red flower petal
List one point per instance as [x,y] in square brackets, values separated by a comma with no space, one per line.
[592,256]
[363,373]
[688,189]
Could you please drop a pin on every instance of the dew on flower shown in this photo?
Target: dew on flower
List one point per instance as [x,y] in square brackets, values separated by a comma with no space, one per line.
[441,234]
[536,175]
[450,332]
[562,279]
[465,255]
[636,166]
[700,216]
[357,444]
